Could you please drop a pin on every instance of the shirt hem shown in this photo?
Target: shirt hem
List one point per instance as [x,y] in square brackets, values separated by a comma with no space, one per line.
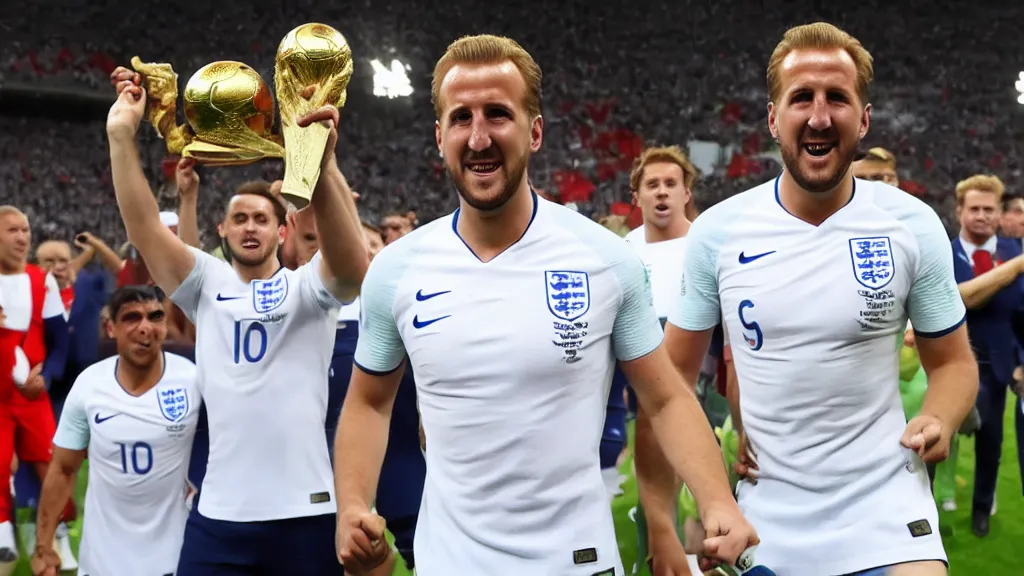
[858,562]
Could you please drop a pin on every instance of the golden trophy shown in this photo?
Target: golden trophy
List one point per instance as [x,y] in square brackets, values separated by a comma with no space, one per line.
[312,68]
[230,109]
[228,106]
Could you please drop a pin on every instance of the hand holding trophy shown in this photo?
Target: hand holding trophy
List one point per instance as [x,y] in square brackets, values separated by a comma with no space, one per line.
[230,109]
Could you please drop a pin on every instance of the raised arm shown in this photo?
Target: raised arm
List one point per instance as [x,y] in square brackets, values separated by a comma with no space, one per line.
[977,291]
[342,244]
[106,255]
[188,201]
[167,258]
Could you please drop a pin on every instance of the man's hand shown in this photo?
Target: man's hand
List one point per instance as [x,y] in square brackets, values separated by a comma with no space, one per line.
[329,117]
[360,542]
[35,384]
[186,178]
[746,459]
[127,112]
[84,240]
[727,535]
[926,435]
[668,557]
[45,561]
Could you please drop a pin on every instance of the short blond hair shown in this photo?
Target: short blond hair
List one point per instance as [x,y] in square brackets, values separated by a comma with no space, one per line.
[881,155]
[668,155]
[489,49]
[8,210]
[820,36]
[981,183]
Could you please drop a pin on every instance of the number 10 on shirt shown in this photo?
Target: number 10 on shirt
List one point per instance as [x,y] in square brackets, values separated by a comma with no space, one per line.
[139,455]
[250,341]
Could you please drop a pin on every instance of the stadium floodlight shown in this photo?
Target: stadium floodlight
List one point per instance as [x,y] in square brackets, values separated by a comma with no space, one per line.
[1019,85]
[391,82]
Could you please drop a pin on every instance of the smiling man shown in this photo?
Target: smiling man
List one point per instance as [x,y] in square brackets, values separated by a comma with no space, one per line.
[512,312]
[135,415]
[814,275]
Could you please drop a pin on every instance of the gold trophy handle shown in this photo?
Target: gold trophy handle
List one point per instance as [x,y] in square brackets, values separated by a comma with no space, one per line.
[161,84]
[304,155]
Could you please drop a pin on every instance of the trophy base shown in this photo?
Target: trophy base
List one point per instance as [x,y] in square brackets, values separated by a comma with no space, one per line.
[299,198]
[210,154]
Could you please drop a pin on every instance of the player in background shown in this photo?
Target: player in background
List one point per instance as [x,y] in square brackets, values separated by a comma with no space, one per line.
[841,484]
[265,335]
[662,184]
[134,414]
[33,355]
[512,312]
[876,165]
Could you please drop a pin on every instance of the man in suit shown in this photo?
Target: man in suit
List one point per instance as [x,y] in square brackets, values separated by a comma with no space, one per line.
[988,269]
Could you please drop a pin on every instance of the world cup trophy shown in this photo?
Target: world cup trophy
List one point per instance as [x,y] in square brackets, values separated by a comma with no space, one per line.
[228,107]
[313,68]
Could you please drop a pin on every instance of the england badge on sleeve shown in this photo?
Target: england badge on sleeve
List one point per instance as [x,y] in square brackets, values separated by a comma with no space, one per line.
[568,294]
[872,261]
[173,403]
[267,295]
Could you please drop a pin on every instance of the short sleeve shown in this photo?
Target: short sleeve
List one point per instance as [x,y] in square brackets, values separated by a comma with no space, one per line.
[313,289]
[380,349]
[637,330]
[934,305]
[188,293]
[53,305]
[698,307]
[73,428]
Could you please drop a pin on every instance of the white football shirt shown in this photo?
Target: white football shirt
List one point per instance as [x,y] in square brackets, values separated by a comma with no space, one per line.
[815,317]
[139,448]
[263,350]
[513,361]
[664,263]
[16,300]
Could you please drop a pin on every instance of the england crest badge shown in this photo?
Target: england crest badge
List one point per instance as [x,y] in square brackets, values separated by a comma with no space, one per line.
[267,295]
[173,403]
[873,264]
[568,294]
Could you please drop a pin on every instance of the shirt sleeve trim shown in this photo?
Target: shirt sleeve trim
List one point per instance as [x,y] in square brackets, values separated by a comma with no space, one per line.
[940,333]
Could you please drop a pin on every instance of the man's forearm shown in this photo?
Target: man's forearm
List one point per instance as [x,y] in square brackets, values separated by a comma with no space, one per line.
[689,444]
[341,238]
[188,220]
[359,447]
[978,291]
[135,199]
[952,391]
[57,488]
[79,262]
[657,482]
[110,260]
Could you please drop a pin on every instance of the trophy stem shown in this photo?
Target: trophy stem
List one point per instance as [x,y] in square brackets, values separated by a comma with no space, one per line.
[304,151]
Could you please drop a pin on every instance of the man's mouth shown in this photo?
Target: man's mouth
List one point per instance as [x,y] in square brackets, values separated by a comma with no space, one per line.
[819,149]
[250,244]
[484,167]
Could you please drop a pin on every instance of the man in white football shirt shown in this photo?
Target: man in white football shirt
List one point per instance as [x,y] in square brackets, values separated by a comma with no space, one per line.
[264,338]
[815,275]
[135,415]
[662,183]
[512,311]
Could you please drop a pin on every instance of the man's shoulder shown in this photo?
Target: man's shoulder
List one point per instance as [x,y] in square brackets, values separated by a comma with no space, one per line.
[1009,246]
[98,374]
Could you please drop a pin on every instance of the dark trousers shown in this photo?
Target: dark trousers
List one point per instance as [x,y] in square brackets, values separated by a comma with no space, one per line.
[989,439]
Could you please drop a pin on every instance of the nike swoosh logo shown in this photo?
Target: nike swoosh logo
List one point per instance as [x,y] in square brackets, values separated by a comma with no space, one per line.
[744,259]
[420,296]
[99,420]
[224,298]
[417,324]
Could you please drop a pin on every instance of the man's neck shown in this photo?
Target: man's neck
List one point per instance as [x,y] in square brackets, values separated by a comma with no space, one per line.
[490,233]
[813,208]
[678,228]
[259,272]
[974,239]
[138,381]
[11,269]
